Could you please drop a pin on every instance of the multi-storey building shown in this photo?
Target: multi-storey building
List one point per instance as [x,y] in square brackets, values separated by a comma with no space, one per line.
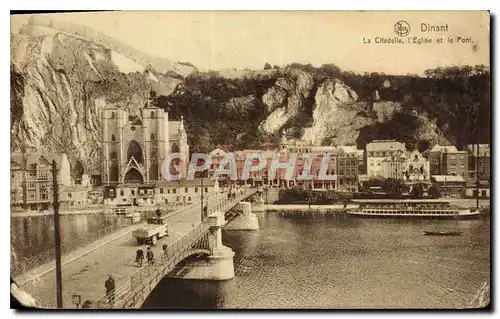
[393,167]
[347,169]
[447,160]
[378,151]
[31,178]
[416,167]
[479,154]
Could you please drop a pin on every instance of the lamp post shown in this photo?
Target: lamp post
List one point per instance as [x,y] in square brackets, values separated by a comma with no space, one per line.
[57,234]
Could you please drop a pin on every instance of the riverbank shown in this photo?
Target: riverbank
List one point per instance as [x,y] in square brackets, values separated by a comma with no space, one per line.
[62,212]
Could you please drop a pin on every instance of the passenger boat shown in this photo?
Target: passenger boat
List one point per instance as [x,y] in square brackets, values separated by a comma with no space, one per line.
[411,208]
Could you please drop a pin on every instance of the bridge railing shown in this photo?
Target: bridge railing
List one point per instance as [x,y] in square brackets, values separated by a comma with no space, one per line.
[143,281]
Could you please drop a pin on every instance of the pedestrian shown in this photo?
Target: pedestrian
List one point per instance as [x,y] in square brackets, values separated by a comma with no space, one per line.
[139,256]
[150,256]
[158,212]
[110,290]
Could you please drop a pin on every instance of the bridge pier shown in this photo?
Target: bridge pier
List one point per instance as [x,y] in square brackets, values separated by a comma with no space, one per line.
[219,265]
[258,204]
[246,220]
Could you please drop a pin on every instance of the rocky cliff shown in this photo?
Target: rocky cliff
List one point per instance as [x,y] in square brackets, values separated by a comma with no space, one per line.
[62,83]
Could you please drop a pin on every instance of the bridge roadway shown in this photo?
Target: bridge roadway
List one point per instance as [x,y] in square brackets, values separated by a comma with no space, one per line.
[85,276]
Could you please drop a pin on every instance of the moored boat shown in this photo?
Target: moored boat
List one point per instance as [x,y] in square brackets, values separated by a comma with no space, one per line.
[442,233]
[410,208]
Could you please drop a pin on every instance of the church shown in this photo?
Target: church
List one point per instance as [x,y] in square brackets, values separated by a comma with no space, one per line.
[135,145]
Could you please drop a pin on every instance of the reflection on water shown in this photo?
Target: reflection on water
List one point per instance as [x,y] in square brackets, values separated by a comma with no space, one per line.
[34,236]
[342,262]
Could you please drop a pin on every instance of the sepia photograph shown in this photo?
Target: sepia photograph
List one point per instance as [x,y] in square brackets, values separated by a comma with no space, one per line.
[195,160]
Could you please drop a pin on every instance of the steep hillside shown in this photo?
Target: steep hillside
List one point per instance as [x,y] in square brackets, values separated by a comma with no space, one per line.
[61,82]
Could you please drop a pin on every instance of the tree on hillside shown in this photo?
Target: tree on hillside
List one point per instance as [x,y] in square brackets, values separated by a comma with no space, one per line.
[267,66]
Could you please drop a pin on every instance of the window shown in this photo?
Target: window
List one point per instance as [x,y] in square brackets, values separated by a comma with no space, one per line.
[132,192]
[174,191]
[121,192]
[196,189]
[161,190]
[112,115]
[168,191]
[43,175]
[152,136]
[112,137]
[69,195]
[185,190]
[152,114]
[206,189]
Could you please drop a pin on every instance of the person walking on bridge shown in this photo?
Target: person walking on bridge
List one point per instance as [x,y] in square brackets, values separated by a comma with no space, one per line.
[150,256]
[139,256]
[110,290]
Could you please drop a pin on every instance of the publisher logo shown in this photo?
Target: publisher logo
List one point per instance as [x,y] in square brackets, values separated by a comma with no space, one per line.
[402,28]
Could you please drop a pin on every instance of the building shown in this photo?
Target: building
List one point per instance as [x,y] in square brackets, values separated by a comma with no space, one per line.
[136,145]
[378,151]
[450,185]
[347,160]
[295,146]
[416,167]
[479,154]
[394,167]
[76,196]
[473,190]
[160,193]
[31,178]
[447,160]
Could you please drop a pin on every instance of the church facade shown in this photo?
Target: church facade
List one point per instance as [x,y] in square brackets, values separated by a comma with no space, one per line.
[136,145]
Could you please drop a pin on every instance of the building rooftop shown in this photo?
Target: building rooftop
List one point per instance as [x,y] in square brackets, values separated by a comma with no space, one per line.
[484,150]
[448,178]
[444,148]
[29,158]
[388,145]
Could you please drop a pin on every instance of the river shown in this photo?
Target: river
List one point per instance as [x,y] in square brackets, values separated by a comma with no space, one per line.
[343,262]
[32,238]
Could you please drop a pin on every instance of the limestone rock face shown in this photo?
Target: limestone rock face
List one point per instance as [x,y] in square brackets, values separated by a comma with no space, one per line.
[385,110]
[66,82]
[284,101]
[332,111]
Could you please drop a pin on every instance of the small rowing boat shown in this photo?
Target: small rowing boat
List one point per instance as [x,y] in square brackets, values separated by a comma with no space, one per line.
[442,233]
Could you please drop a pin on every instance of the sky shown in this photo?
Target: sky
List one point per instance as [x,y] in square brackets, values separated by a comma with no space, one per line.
[248,39]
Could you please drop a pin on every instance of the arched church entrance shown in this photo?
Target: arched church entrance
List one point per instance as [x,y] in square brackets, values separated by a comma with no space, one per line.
[133,176]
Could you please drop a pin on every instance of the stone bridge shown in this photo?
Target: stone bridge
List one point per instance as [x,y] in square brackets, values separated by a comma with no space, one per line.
[203,239]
